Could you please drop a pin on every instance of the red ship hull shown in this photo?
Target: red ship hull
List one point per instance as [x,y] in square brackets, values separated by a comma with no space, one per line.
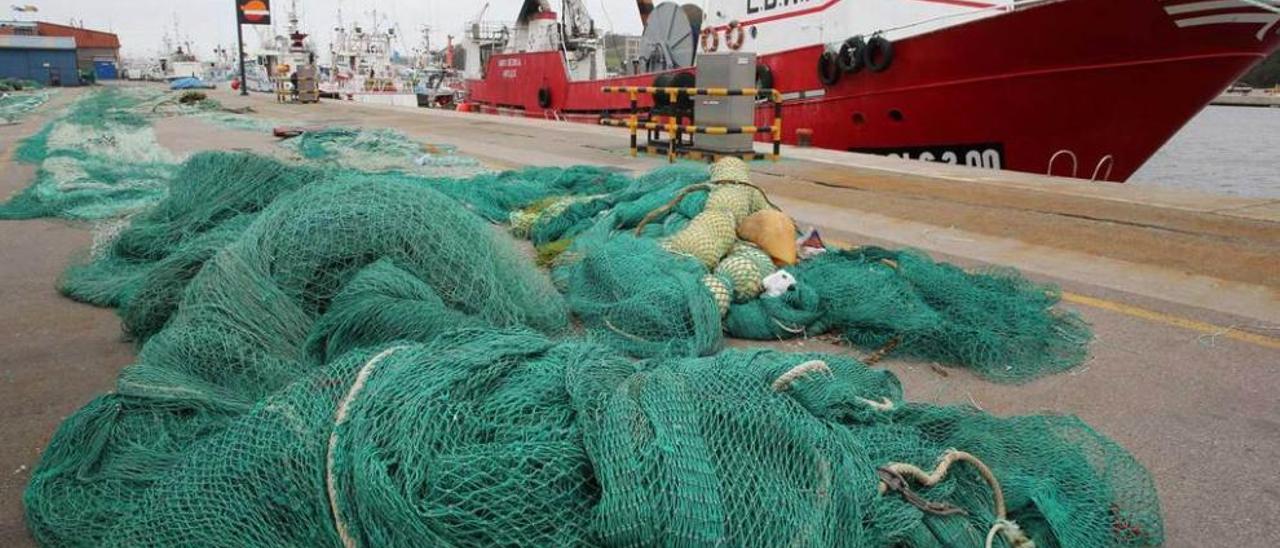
[1083,88]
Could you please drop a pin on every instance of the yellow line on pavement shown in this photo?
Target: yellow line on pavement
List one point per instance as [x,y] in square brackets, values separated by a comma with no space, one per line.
[1176,321]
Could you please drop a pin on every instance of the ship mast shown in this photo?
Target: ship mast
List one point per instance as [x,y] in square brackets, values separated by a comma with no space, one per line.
[293,17]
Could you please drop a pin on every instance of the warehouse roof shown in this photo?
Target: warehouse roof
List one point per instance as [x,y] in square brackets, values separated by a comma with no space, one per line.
[18,27]
[85,38]
[37,42]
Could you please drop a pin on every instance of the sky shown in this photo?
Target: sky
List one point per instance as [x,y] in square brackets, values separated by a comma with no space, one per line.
[141,24]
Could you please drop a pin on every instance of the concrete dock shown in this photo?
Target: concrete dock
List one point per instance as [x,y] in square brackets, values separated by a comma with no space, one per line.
[1181,289]
[1255,99]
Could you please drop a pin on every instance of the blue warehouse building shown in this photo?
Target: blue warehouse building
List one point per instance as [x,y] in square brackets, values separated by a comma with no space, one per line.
[50,60]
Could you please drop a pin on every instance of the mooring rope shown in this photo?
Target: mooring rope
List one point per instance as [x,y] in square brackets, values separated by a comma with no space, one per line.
[1003,524]
[783,383]
[340,417]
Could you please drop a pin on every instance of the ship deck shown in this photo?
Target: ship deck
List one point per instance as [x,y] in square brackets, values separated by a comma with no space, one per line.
[1181,289]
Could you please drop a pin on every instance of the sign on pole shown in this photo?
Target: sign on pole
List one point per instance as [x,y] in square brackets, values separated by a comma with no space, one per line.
[249,12]
[254,12]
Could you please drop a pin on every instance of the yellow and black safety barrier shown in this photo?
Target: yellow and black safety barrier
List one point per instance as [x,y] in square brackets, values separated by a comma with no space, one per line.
[708,130]
[676,129]
[772,94]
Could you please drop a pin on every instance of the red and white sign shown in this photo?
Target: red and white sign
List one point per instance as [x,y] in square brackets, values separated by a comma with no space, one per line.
[254,12]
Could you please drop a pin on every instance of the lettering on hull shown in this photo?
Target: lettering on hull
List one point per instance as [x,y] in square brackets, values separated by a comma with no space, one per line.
[984,155]
[760,6]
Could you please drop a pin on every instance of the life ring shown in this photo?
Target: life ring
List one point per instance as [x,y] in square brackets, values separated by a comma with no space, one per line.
[828,68]
[850,56]
[734,41]
[544,97]
[878,54]
[710,40]
[764,77]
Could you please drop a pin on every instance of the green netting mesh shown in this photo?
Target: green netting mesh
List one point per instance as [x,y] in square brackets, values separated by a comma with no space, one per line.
[99,160]
[638,298]
[380,150]
[996,321]
[212,198]
[652,303]
[336,357]
[625,288]
[444,433]
[16,106]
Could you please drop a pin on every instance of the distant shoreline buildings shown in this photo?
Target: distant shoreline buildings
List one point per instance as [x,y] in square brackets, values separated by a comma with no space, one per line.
[57,55]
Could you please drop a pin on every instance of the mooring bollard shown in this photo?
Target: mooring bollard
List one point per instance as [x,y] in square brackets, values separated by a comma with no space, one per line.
[804,137]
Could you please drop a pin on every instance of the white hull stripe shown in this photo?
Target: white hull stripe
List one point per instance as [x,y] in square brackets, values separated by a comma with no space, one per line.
[799,95]
[1267,21]
[1250,18]
[1205,6]
[1246,13]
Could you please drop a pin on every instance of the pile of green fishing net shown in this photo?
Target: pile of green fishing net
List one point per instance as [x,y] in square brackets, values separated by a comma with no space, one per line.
[99,160]
[337,358]
[626,286]
[631,291]
[348,348]
[16,106]
[380,150]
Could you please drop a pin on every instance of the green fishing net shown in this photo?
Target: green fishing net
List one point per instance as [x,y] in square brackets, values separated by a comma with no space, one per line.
[18,105]
[995,321]
[99,160]
[381,150]
[311,393]
[335,356]
[649,289]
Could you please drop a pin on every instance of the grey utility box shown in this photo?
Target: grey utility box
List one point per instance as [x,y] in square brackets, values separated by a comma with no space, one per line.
[731,70]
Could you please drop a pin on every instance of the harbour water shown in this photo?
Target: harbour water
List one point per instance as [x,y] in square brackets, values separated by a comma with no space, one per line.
[1223,150]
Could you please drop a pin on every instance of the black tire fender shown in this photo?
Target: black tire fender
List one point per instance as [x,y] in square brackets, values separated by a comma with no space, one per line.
[878,55]
[851,57]
[828,68]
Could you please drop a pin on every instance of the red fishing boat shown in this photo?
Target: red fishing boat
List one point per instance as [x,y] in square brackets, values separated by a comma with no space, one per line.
[1077,88]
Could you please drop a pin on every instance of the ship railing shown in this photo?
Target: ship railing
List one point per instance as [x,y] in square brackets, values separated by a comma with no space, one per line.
[677,130]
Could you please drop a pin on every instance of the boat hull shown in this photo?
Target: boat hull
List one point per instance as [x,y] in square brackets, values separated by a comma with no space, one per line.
[1077,88]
